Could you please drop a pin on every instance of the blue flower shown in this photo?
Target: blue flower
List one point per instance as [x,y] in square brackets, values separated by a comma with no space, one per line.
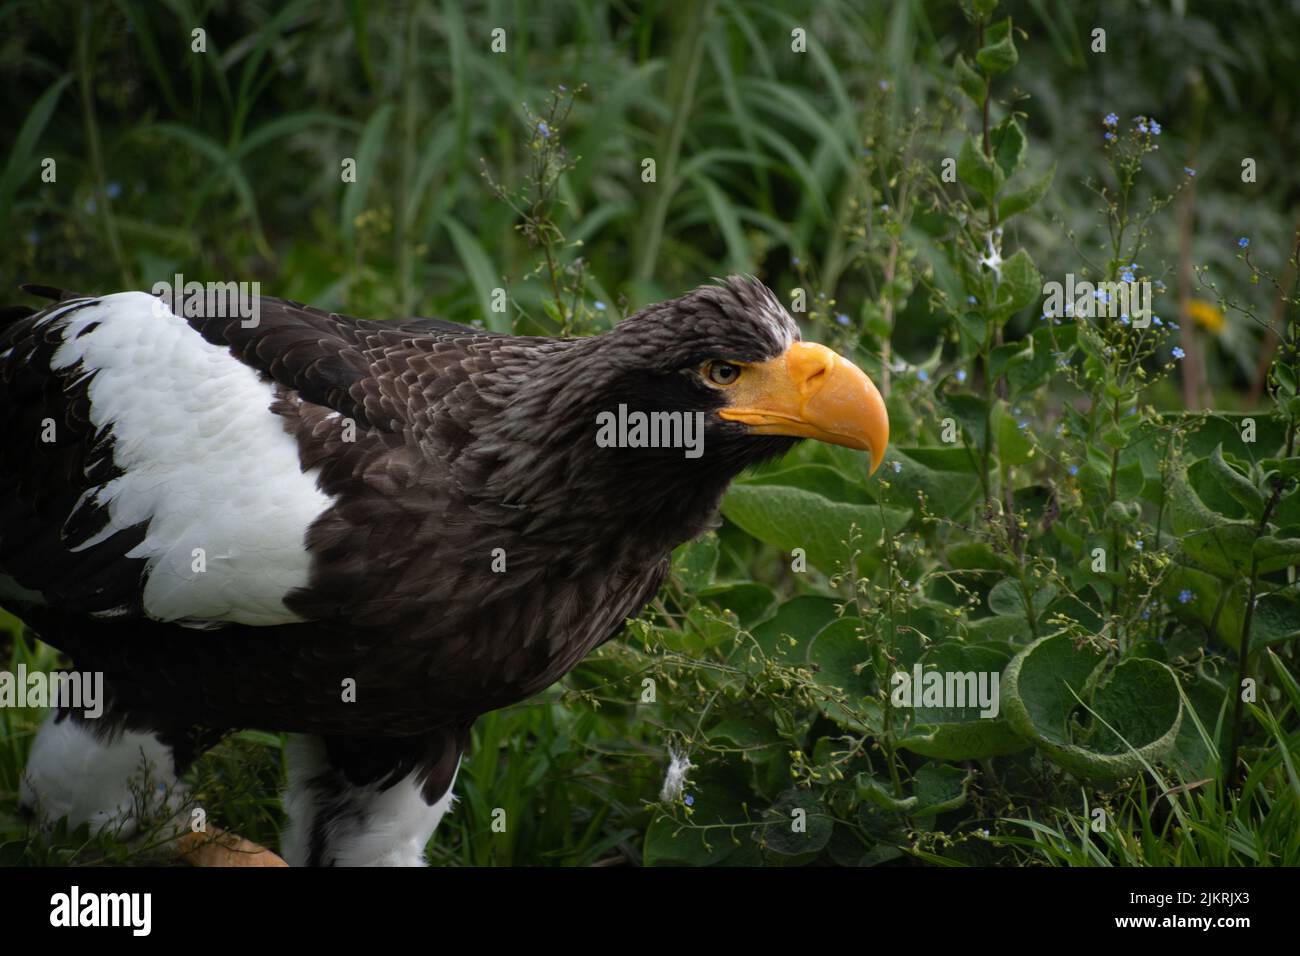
[1110,135]
[113,190]
[1111,119]
[1123,319]
[1074,469]
[923,375]
[689,800]
[794,260]
[1156,320]
[1243,242]
[1139,544]
[1189,171]
[1022,424]
[961,375]
[1155,127]
[1142,126]
[897,466]
[600,306]
[1178,353]
[544,129]
[971,299]
[1127,275]
[841,318]
[1102,295]
[1186,597]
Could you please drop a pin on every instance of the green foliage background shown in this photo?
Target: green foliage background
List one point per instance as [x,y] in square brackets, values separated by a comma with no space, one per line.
[1022,444]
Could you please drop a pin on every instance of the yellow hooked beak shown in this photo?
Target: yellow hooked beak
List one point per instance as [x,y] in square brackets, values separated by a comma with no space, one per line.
[811,392]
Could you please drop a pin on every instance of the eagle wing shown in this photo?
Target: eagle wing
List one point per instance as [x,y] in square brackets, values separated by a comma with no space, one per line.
[171,466]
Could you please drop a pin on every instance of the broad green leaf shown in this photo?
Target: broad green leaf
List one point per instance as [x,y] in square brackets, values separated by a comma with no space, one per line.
[799,825]
[1023,199]
[971,83]
[939,788]
[999,51]
[750,601]
[877,792]
[695,562]
[1275,552]
[798,619]
[946,476]
[1220,546]
[998,627]
[1241,488]
[1276,619]
[961,733]
[1192,756]
[1021,283]
[1006,598]
[971,414]
[1196,596]
[1140,700]
[838,656]
[1009,146]
[789,518]
[755,735]
[1286,467]
[974,327]
[978,171]
[823,479]
[1014,445]
[714,627]
[1004,355]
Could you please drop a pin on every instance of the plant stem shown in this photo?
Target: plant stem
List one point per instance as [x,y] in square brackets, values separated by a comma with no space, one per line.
[1243,651]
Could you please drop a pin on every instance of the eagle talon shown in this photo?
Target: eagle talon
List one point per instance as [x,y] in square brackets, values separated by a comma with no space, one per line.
[218,847]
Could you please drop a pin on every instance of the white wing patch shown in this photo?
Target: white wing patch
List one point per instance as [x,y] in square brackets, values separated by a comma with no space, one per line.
[204,460]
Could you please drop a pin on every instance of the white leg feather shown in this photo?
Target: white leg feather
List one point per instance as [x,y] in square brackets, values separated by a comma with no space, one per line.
[334,824]
[107,783]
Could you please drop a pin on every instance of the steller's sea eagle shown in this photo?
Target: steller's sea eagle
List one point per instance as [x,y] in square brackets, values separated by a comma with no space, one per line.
[233,520]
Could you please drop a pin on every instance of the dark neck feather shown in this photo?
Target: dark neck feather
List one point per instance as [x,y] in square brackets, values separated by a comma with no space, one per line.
[540,470]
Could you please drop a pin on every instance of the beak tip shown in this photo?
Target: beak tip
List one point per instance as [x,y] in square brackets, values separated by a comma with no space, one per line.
[877,457]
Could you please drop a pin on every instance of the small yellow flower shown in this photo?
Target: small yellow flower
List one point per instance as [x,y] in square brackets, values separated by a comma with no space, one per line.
[1206,314]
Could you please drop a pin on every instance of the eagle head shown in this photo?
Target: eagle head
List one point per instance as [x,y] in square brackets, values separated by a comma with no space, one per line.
[657,415]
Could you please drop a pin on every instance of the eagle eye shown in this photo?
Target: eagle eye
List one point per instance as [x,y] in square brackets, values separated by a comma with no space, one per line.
[722,373]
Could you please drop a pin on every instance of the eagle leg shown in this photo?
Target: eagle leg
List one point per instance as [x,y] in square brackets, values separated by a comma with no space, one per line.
[368,802]
[103,775]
